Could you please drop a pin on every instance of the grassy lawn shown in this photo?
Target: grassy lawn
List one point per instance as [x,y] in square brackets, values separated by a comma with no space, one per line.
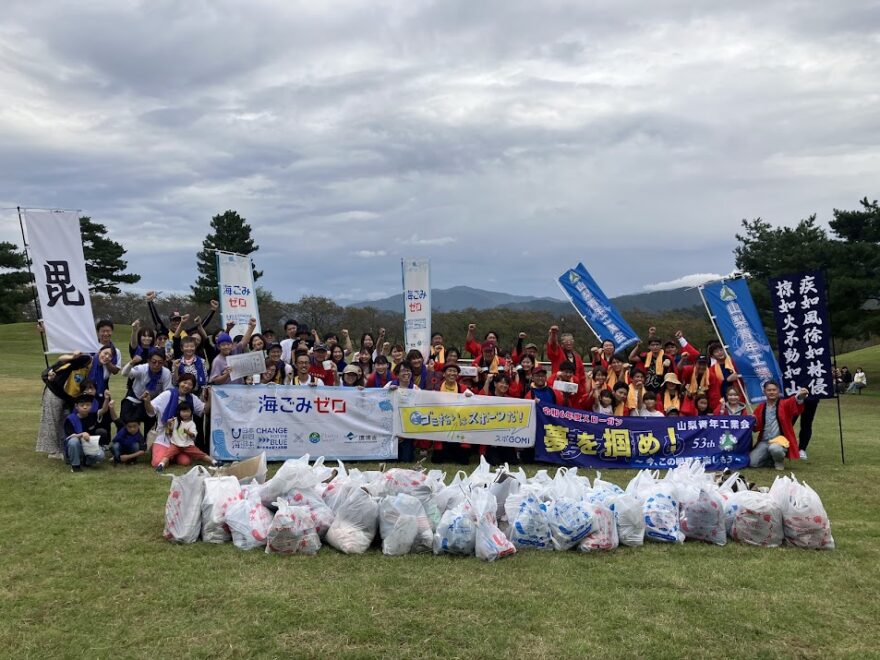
[85,571]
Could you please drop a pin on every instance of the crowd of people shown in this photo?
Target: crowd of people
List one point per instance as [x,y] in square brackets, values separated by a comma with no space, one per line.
[171,367]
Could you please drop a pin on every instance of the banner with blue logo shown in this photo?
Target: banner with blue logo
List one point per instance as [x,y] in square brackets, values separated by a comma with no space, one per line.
[237,294]
[803,333]
[595,309]
[582,439]
[287,421]
[732,309]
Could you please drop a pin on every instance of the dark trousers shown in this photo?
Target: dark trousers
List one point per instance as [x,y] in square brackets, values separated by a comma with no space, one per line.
[131,410]
[806,429]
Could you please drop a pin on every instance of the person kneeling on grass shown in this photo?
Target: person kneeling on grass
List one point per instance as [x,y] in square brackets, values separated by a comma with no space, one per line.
[75,433]
[166,407]
[128,444]
[775,428]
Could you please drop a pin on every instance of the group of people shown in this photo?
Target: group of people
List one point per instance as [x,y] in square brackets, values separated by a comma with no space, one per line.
[847,382]
[171,367]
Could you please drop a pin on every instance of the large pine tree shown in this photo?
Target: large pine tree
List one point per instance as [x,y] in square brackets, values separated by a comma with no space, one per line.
[14,283]
[105,267]
[230,233]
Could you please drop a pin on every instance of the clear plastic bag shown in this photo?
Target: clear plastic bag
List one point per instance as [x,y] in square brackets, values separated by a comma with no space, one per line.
[404,526]
[629,518]
[294,474]
[528,526]
[354,526]
[756,519]
[804,520]
[183,508]
[321,514]
[703,519]
[456,533]
[292,531]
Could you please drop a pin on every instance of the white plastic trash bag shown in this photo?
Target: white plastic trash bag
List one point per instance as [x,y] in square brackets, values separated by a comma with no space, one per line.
[804,521]
[659,506]
[354,526]
[404,526]
[456,533]
[292,531]
[490,543]
[702,519]
[321,514]
[569,522]
[629,518]
[249,521]
[603,536]
[756,519]
[183,508]
[294,473]
[528,526]
[220,492]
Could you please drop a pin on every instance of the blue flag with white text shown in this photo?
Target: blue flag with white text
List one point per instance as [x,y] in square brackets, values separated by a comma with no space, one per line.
[736,317]
[595,308]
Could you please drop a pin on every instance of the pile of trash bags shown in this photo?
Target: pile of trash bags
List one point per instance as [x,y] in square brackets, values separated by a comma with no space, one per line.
[489,513]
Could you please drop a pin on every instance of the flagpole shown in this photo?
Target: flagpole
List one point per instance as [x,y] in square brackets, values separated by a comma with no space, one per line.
[723,345]
[834,362]
[27,259]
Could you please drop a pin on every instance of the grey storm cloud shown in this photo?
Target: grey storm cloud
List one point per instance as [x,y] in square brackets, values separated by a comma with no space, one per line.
[505,140]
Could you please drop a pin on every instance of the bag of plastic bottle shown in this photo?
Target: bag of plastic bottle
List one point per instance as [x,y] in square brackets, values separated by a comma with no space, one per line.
[490,543]
[404,526]
[456,533]
[292,531]
[629,518]
[321,514]
[528,526]
[183,508]
[702,519]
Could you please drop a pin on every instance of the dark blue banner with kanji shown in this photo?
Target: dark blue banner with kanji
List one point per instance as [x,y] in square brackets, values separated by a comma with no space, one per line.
[576,438]
[803,333]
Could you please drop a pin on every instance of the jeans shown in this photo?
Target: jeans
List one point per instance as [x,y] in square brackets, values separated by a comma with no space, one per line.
[764,455]
[75,456]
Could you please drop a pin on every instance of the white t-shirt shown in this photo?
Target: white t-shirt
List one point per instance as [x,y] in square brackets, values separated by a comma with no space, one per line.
[140,376]
[159,404]
[180,437]
[312,381]
[644,412]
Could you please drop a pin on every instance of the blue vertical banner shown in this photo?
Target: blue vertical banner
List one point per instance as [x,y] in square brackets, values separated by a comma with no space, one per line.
[595,309]
[803,333]
[735,316]
[417,305]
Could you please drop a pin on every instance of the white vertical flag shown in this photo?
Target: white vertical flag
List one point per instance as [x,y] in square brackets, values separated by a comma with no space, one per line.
[55,247]
[417,305]
[238,298]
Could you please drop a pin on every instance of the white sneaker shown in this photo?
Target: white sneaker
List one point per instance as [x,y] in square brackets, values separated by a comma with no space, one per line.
[802,455]
[56,455]
[780,466]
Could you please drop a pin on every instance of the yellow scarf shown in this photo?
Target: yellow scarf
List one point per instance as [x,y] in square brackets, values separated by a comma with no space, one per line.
[611,380]
[632,399]
[74,380]
[727,365]
[658,362]
[493,367]
[671,402]
[441,355]
[619,409]
[693,386]
[446,387]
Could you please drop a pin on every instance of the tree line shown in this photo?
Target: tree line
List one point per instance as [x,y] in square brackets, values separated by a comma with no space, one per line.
[849,252]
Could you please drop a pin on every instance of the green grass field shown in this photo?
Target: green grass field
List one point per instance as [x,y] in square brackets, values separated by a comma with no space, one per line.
[85,572]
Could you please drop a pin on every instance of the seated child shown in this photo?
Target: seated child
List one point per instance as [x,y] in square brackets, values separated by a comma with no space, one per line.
[76,431]
[181,431]
[128,444]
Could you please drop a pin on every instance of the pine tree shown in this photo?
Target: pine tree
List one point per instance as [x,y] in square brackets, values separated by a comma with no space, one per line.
[230,233]
[15,282]
[104,263]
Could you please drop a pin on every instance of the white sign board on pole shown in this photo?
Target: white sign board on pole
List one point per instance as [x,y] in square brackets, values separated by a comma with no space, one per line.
[238,297]
[417,305]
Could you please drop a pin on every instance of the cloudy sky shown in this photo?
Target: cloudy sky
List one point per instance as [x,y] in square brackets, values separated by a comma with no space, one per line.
[505,140]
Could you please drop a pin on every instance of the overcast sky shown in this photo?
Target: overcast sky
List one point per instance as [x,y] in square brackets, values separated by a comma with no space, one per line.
[504,140]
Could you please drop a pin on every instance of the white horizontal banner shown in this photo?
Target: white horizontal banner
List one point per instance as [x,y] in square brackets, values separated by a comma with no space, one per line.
[287,421]
[481,420]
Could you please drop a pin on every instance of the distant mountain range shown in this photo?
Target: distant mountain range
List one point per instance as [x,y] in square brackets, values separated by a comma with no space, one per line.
[465,297]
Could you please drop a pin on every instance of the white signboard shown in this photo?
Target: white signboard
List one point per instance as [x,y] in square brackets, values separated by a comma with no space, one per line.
[417,305]
[238,297]
[481,420]
[289,422]
[55,247]
[246,364]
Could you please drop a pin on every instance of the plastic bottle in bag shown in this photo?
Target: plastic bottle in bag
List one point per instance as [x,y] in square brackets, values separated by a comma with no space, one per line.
[292,531]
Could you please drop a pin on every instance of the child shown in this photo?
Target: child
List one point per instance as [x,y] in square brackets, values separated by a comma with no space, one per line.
[181,431]
[604,403]
[649,406]
[732,405]
[75,432]
[128,444]
[701,405]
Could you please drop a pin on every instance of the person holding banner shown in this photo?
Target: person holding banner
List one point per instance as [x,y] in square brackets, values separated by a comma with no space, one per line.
[775,437]
[539,391]
[565,374]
